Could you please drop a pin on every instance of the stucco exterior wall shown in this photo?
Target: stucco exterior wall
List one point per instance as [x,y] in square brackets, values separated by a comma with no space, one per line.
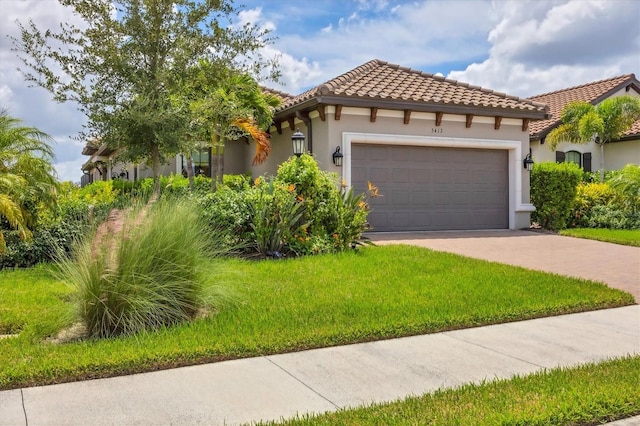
[619,154]
[329,134]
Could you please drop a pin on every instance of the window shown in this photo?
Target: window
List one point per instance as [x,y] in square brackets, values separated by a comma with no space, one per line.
[582,160]
[201,162]
[573,157]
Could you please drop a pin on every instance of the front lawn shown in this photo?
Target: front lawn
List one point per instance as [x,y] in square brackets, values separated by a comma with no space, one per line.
[585,395]
[289,305]
[628,237]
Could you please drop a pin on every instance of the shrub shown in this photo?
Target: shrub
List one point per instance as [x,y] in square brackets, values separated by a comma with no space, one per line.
[587,197]
[226,213]
[318,189]
[237,182]
[553,190]
[277,217]
[610,216]
[146,275]
[77,211]
[626,183]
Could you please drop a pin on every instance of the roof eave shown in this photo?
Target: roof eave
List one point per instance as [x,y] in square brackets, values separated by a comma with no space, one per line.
[413,106]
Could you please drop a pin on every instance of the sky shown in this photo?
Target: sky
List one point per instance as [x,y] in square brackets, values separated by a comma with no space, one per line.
[519,47]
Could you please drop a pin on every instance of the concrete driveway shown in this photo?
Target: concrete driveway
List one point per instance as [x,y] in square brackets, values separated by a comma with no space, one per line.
[616,265]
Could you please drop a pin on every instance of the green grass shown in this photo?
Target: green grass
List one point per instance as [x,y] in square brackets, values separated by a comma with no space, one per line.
[290,305]
[627,237]
[586,395]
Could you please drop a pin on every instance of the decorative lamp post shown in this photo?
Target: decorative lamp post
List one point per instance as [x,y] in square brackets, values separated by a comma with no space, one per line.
[297,140]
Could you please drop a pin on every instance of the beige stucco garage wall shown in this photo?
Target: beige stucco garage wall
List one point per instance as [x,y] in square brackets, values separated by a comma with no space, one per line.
[329,133]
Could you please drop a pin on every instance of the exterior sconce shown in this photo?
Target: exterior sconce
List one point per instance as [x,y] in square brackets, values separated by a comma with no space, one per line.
[297,140]
[337,157]
[528,162]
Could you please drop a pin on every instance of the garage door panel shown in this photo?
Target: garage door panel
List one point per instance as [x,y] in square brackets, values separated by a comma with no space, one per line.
[429,188]
[401,197]
[378,153]
[400,176]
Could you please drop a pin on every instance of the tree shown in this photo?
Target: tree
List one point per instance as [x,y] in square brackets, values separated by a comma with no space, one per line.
[605,122]
[229,109]
[123,67]
[27,177]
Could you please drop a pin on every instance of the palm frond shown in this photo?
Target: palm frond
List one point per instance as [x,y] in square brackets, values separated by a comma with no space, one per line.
[261,138]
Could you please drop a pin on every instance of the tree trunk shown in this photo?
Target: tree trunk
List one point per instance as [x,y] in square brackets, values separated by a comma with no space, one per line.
[155,158]
[219,158]
[190,171]
[601,163]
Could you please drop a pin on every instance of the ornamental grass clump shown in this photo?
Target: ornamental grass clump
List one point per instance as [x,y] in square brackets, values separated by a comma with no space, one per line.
[141,270]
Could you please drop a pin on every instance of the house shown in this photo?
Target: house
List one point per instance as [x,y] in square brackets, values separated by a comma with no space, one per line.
[445,155]
[616,153]
[104,165]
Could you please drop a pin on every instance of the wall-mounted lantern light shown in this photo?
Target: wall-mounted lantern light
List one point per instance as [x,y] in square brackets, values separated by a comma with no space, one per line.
[297,140]
[528,162]
[337,157]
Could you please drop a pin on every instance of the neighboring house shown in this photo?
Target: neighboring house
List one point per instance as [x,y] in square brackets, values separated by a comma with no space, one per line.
[616,153]
[445,155]
[103,165]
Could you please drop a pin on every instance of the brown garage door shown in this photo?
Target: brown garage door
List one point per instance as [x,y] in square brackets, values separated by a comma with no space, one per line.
[429,189]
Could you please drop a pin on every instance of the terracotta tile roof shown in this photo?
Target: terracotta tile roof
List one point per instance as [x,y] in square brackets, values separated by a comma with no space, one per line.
[591,92]
[284,97]
[634,130]
[377,80]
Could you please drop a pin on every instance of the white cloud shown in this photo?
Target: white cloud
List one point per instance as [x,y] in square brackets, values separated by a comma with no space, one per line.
[418,35]
[34,106]
[518,47]
[544,46]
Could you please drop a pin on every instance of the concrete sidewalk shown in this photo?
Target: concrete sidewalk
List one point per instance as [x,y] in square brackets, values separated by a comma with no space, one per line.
[315,381]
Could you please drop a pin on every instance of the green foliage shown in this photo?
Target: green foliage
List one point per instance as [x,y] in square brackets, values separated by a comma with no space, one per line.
[237,182]
[553,190]
[77,211]
[301,211]
[609,216]
[226,213]
[336,218]
[626,182]
[276,217]
[588,196]
[614,204]
[27,177]
[603,123]
[317,188]
[147,275]
[582,122]
[125,69]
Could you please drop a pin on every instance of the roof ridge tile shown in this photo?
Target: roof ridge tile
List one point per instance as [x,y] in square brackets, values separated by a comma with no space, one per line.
[580,86]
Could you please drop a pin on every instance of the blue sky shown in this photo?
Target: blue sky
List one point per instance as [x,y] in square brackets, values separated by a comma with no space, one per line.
[521,47]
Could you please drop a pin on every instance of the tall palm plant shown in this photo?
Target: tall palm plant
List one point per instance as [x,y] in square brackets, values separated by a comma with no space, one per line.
[605,122]
[27,176]
[228,106]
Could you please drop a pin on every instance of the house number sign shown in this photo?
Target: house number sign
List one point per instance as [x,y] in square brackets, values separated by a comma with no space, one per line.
[437,130]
